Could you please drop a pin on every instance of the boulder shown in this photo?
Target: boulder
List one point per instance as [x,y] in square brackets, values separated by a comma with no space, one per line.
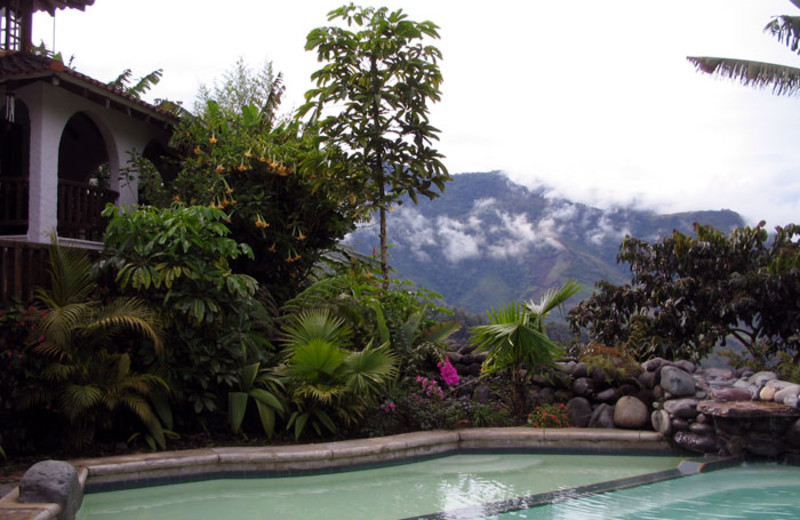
[602,417]
[789,390]
[660,422]
[481,394]
[609,395]
[581,370]
[685,365]
[760,379]
[683,408]
[696,443]
[630,412]
[652,365]
[701,428]
[583,387]
[677,382]
[53,481]
[730,393]
[579,412]
[647,379]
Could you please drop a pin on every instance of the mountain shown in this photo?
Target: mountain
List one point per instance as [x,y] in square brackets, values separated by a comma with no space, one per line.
[487,240]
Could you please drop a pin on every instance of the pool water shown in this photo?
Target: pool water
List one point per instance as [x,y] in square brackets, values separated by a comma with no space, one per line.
[749,492]
[390,493]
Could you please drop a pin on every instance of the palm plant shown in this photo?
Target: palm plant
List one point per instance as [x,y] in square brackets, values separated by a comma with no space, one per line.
[516,339]
[322,377]
[258,384]
[88,382]
[784,79]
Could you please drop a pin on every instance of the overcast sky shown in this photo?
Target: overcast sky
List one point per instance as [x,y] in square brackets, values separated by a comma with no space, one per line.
[593,99]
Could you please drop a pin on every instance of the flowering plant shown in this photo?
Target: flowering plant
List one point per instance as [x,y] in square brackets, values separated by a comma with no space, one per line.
[549,416]
[448,372]
[430,387]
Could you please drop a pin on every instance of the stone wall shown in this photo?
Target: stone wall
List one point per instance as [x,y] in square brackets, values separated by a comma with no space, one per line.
[702,410]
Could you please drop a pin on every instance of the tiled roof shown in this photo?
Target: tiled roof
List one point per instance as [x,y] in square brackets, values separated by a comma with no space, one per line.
[24,66]
[49,5]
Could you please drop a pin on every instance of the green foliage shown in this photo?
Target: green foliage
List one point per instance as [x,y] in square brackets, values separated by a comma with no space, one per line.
[490,415]
[274,183]
[258,384]
[178,258]
[324,380]
[88,380]
[689,294]
[381,76]
[615,363]
[783,79]
[515,339]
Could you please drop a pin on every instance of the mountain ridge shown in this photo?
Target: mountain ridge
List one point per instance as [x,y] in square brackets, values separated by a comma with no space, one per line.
[488,240]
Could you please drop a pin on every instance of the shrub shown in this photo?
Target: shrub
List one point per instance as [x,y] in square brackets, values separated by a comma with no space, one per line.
[549,416]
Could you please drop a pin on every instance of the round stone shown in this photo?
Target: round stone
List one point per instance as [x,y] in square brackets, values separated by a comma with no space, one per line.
[630,412]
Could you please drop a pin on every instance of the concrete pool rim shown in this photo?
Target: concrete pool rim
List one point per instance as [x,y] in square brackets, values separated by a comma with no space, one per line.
[156,468]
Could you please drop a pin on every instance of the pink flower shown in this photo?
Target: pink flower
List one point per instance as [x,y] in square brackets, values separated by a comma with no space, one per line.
[449,372]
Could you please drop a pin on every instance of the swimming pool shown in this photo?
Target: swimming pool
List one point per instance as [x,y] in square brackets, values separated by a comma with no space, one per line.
[749,492]
[453,483]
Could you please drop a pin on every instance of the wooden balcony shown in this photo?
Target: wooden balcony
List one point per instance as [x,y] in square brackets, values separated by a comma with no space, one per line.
[79,208]
[23,267]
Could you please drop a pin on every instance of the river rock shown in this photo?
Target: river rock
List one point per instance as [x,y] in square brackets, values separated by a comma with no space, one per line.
[53,481]
[792,400]
[630,412]
[583,387]
[652,365]
[660,422]
[579,412]
[730,393]
[685,365]
[723,374]
[481,394]
[647,379]
[676,381]
[701,428]
[683,408]
[751,388]
[679,424]
[609,395]
[790,390]
[760,379]
[602,417]
[599,377]
[695,442]
[581,370]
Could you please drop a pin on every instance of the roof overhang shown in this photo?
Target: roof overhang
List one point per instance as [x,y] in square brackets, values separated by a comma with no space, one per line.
[45,5]
[20,69]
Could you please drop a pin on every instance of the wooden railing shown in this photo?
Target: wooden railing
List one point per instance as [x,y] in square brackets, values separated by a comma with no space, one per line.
[79,208]
[23,267]
[13,205]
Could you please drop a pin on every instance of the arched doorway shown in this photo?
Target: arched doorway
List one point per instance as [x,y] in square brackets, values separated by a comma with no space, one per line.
[83,180]
[15,132]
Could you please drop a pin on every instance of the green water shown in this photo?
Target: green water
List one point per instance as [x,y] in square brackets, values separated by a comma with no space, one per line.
[751,492]
[389,493]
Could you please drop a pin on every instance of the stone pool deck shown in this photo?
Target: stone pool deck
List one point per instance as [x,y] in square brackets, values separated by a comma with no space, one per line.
[154,468]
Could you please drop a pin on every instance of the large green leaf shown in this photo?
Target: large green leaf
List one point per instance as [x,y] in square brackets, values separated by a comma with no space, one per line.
[237,406]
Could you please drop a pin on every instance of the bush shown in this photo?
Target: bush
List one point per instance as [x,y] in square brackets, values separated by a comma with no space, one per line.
[549,416]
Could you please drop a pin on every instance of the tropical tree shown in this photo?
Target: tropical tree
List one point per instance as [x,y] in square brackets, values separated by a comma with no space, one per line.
[382,76]
[783,79]
[324,380]
[89,380]
[516,339]
[690,293]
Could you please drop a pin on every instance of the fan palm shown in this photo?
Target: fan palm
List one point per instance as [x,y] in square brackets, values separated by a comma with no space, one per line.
[784,79]
[88,382]
[322,376]
[516,339]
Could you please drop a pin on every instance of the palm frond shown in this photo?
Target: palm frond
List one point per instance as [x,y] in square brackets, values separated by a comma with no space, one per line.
[365,372]
[128,314]
[316,360]
[552,298]
[787,30]
[782,79]
[315,324]
[76,399]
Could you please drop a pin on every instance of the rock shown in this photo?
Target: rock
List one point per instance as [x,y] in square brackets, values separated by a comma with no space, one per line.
[790,390]
[647,379]
[679,424]
[702,394]
[701,428]
[583,387]
[701,418]
[658,392]
[546,394]
[760,379]
[631,413]
[652,365]
[684,408]
[763,445]
[599,377]
[660,422]
[581,370]
[568,367]
[579,412]
[723,374]
[481,394]
[454,357]
[769,389]
[792,400]
[52,481]
[696,443]
[602,417]
[608,396]
[685,365]
[730,394]
[676,381]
